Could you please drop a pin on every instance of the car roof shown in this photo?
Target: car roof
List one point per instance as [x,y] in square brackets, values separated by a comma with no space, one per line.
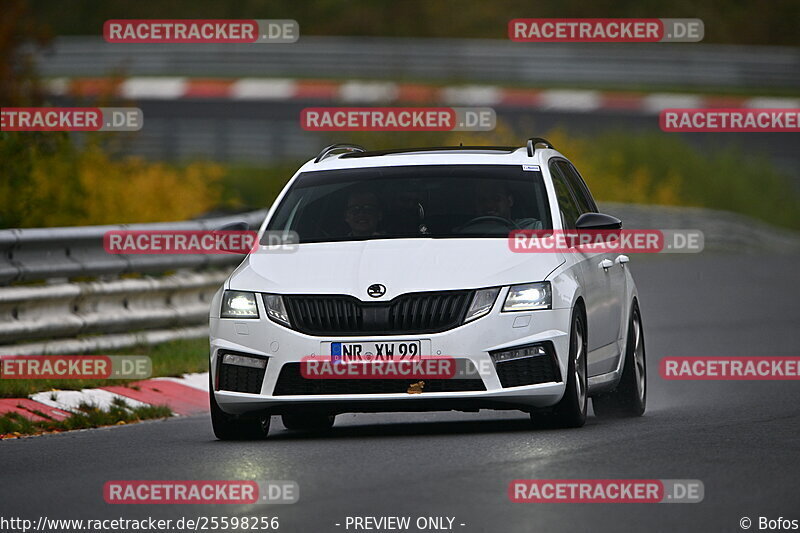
[456,155]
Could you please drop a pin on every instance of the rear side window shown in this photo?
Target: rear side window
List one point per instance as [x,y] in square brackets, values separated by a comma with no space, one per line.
[570,211]
[578,187]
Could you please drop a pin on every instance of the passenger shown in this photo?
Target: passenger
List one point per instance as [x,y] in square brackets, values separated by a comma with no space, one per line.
[363,214]
[495,200]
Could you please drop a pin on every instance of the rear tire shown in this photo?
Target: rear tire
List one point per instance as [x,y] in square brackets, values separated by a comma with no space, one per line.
[629,399]
[570,411]
[230,427]
[308,421]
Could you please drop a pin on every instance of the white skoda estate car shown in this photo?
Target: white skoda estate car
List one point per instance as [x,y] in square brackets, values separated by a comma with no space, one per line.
[406,253]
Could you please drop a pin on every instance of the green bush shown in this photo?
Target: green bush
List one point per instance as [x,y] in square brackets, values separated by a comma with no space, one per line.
[48,181]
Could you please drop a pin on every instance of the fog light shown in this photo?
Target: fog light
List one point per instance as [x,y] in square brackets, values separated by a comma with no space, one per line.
[518,353]
[241,360]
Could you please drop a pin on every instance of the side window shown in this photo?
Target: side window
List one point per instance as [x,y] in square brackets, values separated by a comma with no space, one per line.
[566,202]
[578,186]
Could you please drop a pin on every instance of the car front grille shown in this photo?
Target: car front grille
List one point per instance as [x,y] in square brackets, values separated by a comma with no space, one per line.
[423,312]
[292,382]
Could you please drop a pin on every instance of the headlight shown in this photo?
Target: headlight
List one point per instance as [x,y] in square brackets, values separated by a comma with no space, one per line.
[528,297]
[238,304]
[482,303]
[276,311]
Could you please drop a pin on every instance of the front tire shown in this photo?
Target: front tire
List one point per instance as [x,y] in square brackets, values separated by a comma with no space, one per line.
[570,411]
[629,399]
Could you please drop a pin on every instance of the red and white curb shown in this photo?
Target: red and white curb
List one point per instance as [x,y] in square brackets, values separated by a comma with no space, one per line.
[379,92]
[187,395]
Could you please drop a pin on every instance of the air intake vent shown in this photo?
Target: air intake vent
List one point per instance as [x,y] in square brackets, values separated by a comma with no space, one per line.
[291,382]
[238,378]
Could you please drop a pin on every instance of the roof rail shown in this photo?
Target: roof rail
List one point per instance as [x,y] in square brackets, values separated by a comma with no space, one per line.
[329,150]
[398,151]
[533,141]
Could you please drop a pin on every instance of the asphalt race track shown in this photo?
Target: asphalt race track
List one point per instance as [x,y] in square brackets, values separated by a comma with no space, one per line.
[740,438]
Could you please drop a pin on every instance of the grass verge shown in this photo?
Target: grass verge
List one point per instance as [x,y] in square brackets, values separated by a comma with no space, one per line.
[169,359]
[87,416]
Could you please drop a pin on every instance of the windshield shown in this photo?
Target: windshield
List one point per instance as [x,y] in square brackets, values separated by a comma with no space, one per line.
[432,201]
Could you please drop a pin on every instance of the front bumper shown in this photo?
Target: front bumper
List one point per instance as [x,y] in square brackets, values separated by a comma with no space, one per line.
[472,341]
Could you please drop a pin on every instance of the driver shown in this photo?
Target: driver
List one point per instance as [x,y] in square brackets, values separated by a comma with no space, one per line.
[363,214]
[493,199]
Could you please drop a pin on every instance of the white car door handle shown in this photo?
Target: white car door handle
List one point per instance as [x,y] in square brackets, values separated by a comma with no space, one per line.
[605,264]
[622,259]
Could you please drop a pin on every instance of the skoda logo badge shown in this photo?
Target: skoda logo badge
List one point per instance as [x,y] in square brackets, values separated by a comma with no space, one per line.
[376,290]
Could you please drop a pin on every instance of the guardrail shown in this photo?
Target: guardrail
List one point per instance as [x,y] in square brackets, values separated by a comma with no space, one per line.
[491,60]
[49,253]
[63,316]
[723,231]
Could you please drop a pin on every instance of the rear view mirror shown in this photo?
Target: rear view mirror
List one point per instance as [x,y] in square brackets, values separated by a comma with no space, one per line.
[234,246]
[235,226]
[597,221]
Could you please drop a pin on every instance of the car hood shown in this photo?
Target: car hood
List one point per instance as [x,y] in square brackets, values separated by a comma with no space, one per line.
[401,265]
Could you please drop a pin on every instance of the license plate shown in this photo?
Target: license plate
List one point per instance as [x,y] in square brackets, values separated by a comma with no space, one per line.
[357,352]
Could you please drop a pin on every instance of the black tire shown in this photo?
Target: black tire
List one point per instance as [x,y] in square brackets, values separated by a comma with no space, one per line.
[229,427]
[308,421]
[629,398]
[570,411]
